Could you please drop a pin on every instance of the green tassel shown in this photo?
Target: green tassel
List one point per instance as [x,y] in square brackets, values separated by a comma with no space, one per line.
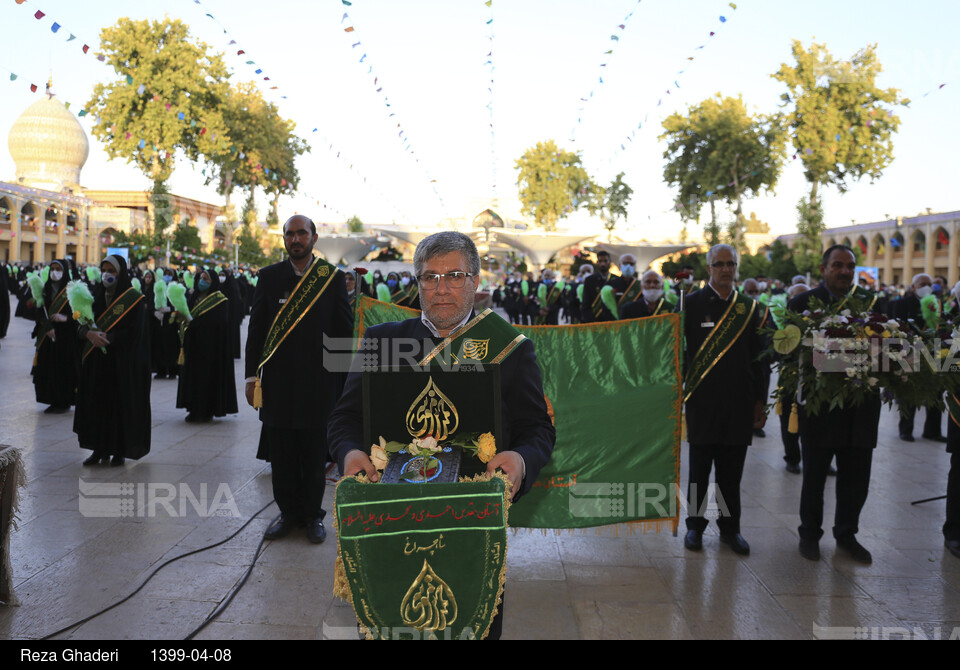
[609,300]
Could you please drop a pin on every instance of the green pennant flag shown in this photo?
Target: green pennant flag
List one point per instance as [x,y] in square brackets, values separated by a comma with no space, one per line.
[602,381]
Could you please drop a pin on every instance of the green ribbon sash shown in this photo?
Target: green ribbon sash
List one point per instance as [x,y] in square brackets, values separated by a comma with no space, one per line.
[632,293]
[56,307]
[113,314]
[310,287]
[552,296]
[486,338]
[727,330]
[201,308]
[422,561]
[860,294]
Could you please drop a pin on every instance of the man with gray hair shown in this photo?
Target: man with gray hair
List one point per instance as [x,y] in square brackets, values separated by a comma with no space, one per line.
[447,267]
[725,394]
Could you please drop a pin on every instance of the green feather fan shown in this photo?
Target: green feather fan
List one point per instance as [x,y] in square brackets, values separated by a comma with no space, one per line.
[383,293]
[93,274]
[188,280]
[81,301]
[36,288]
[609,300]
[159,295]
[177,295]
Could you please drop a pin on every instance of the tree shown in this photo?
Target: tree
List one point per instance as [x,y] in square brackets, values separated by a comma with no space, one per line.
[719,151]
[611,203]
[168,98]
[782,265]
[552,184]
[354,224]
[250,253]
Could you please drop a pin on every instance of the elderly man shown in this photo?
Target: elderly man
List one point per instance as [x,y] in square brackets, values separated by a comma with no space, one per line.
[447,267]
[651,301]
[849,434]
[724,394]
[297,303]
[909,308]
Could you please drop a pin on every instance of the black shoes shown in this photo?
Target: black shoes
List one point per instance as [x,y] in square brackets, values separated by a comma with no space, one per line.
[316,533]
[116,461]
[907,438]
[58,409]
[759,432]
[935,438]
[855,549]
[953,546]
[793,468]
[96,459]
[693,540]
[736,542]
[810,550]
[281,527]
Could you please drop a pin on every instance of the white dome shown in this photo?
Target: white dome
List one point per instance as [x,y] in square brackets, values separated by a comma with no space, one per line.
[48,146]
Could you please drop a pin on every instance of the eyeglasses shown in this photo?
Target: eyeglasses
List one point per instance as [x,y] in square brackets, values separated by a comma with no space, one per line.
[723,264]
[431,281]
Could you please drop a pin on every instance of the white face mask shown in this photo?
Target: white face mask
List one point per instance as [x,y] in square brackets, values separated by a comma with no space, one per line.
[56,275]
[108,278]
[405,281]
[222,278]
[652,294]
[763,286]
[924,291]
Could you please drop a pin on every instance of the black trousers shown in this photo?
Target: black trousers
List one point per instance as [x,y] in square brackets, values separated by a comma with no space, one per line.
[298,459]
[931,426]
[727,463]
[791,441]
[853,484]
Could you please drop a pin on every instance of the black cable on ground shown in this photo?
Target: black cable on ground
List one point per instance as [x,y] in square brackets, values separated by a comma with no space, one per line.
[168,562]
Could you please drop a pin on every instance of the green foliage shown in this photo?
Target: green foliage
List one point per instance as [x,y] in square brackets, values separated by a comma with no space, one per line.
[186,239]
[354,224]
[611,202]
[249,213]
[782,265]
[840,123]
[695,258]
[717,151]
[752,266]
[807,250]
[552,184]
[250,252]
[139,245]
[175,70]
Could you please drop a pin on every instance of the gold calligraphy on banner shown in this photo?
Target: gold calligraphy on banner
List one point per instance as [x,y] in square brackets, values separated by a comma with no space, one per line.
[432,413]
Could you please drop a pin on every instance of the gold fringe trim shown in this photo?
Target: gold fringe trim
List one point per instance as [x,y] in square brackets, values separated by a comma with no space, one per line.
[793,426]
[181,359]
[257,395]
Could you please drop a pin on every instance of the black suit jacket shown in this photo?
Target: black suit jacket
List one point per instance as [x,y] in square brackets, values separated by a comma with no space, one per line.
[721,409]
[527,428]
[298,392]
[847,428]
[908,307]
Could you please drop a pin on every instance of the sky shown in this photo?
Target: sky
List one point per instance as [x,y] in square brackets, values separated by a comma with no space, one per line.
[433,60]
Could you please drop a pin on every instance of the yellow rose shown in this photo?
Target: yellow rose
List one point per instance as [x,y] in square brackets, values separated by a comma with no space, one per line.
[486,448]
[378,456]
[76,316]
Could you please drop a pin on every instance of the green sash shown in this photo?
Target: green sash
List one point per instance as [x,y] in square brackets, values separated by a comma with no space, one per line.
[56,307]
[112,315]
[310,287]
[730,327]
[198,310]
[597,306]
[410,299]
[486,338]
[632,292]
[658,310]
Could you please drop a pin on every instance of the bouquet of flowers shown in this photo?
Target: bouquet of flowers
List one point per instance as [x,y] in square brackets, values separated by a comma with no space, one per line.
[483,446]
[828,359]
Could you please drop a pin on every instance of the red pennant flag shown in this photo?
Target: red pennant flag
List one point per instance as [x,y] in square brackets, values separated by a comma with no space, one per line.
[348,29]
[203,131]
[33,88]
[85,48]
[241,52]
[266,78]
[39,15]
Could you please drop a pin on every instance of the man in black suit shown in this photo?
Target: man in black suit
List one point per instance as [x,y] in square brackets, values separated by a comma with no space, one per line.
[284,359]
[850,434]
[724,391]
[447,266]
[908,308]
[593,309]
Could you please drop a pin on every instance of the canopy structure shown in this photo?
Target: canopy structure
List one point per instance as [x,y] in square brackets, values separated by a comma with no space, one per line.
[403,233]
[539,246]
[345,248]
[645,254]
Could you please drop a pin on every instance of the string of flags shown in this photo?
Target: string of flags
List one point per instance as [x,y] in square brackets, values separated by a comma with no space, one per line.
[607,58]
[241,52]
[350,30]
[493,148]
[673,87]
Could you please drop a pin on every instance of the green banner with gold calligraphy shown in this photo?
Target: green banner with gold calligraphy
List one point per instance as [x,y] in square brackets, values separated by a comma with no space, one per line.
[422,561]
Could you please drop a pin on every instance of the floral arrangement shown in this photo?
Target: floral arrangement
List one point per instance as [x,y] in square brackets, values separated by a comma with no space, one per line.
[483,446]
[828,359]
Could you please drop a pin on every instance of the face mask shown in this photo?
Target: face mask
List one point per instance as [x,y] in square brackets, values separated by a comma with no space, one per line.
[627,270]
[405,281]
[652,294]
[223,278]
[924,291]
[203,285]
[56,275]
[108,278]
[763,286]
[167,278]
[392,283]
[935,288]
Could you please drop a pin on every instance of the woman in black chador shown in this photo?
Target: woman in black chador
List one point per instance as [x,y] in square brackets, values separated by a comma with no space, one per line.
[207,385]
[57,356]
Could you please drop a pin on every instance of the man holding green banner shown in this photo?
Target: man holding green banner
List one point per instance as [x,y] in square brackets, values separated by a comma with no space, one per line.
[447,268]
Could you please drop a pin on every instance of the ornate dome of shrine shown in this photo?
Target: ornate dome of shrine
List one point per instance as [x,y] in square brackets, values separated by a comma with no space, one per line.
[48,146]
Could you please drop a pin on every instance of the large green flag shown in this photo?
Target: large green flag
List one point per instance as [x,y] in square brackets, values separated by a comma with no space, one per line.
[615,391]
